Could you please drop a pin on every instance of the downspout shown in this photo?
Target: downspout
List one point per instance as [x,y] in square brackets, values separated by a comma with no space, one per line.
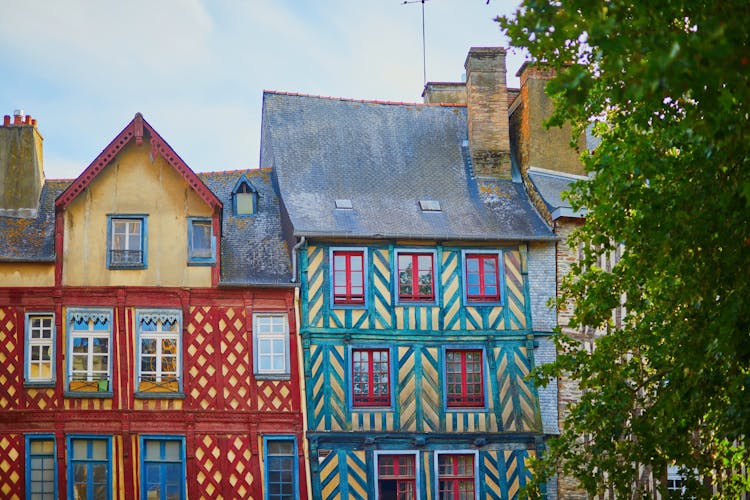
[294,258]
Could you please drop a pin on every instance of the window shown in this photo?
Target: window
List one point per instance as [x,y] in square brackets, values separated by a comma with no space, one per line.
[89,365]
[281,468]
[271,336]
[676,482]
[465,387]
[482,279]
[396,476]
[126,242]
[349,277]
[245,198]
[89,469]
[163,466]
[456,476]
[40,348]
[416,277]
[201,241]
[41,468]
[371,385]
[159,352]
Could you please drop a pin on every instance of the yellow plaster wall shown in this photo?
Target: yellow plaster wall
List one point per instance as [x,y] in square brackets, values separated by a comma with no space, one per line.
[134,184]
[24,274]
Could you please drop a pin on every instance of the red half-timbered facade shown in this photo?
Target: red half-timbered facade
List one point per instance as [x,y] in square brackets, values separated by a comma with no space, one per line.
[148,335]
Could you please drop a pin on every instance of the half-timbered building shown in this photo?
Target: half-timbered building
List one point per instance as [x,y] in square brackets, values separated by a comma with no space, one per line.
[424,275]
[148,336]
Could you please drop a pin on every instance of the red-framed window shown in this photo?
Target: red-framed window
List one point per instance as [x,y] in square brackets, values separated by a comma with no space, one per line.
[348,277]
[371,377]
[456,476]
[416,277]
[464,381]
[482,277]
[397,477]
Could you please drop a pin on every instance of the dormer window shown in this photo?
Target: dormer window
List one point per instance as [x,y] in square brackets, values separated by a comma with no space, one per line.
[245,198]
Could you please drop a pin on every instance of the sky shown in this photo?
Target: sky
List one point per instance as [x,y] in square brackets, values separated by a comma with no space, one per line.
[197,69]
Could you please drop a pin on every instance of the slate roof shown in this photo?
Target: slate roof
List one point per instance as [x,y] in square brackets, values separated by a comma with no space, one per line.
[32,239]
[550,186]
[385,158]
[253,251]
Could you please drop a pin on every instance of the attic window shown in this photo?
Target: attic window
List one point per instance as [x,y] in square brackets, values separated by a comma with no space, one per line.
[344,204]
[244,198]
[430,206]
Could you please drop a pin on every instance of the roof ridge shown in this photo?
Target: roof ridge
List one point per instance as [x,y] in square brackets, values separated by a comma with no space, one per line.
[366,101]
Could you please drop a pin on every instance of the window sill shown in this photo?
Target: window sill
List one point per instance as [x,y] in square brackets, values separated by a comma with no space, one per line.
[371,408]
[47,384]
[465,409]
[88,395]
[491,303]
[273,376]
[160,395]
[134,267]
[198,263]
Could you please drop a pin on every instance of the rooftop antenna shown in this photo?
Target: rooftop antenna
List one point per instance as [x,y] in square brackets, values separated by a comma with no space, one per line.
[424,50]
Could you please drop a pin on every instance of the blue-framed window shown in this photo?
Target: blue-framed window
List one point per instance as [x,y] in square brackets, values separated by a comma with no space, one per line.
[348,277]
[163,468]
[271,346]
[483,277]
[244,198]
[280,459]
[201,241]
[89,467]
[127,241]
[371,371]
[39,368]
[159,372]
[396,474]
[89,351]
[41,467]
[464,370]
[456,472]
[416,272]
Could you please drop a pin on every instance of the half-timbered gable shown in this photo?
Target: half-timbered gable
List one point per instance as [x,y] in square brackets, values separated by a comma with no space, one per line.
[422,280]
[148,333]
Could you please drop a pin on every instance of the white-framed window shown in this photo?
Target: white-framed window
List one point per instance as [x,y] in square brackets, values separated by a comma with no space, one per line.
[456,474]
[126,241]
[159,352]
[271,342]
[396,474]
[89,350]
[201,241]
[40,348]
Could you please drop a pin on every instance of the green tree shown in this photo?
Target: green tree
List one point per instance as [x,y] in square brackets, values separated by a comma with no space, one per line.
[665,84]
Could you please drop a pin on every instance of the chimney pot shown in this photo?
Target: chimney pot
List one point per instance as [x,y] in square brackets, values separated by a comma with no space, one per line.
[17,119]
[28,120]
[33,122]
[6,120]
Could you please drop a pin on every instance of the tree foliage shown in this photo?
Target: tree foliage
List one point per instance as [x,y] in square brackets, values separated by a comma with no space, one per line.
[665,85]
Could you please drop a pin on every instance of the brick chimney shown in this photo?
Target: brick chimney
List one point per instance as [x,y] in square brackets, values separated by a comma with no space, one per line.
[21,167]
[537,146]
[487,108]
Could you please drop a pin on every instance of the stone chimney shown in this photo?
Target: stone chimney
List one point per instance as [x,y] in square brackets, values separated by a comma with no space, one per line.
[487,109]
[21,167]
[537,146]
[444,93]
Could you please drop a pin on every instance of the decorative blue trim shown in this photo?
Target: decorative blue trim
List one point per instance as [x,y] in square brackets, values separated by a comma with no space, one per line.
[243,180]
[169,316]
[286,374]
[200,261]
[101,317]
[350,383]
[27,351]
[144,241]
[142,458]
[436,470]
[295,460]
[435,277]
[485,377]
[365,277]
[417,469]
[28,438]
[500,277]
[89,438]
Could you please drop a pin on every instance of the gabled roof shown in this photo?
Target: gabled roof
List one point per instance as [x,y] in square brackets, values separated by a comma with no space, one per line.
[136,130]
[385,158]
[253,251]
[551,184]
